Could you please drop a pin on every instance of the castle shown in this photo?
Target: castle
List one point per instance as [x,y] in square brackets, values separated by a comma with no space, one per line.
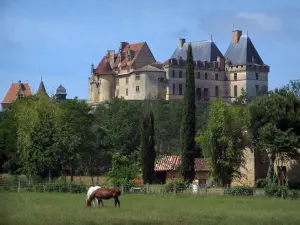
[19,90]
[134,74]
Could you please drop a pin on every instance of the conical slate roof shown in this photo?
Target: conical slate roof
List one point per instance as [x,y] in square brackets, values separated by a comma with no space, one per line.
[42,91]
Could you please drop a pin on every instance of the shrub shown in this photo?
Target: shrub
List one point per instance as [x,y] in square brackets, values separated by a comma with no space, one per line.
[123,171]
[294,184]
[276,191]
[177,183]
[261,183]
[240,191]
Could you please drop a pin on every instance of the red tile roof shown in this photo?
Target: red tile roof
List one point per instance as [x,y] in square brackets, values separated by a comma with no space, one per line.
[12,93]
[103,66]
[168,163]
[136,48]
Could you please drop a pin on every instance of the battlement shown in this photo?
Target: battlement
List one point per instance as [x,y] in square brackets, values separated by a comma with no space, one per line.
[181,63]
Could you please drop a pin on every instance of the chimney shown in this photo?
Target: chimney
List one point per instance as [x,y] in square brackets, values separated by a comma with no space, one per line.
[181,42]
[221,63]
[123,45]
[111,57]
[236,34]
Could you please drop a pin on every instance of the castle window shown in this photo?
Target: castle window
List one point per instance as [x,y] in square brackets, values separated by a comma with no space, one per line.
[198,75]
[180,74]
[173,73]
[127,80]
[137,77]
[217,91]
[137,88]
[235,91]
[126,91]
[180,89]
[256,76]
[205,76]
[20,96]
[117,82]
[198,94]
[216,76]
[173,89]
[235,76]
[206,94]
[257,88]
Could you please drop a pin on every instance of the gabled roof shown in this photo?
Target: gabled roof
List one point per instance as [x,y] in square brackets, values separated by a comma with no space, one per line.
[202,50]
[242,52]
[103,66]
[42,90]
[149,68]
[166,163]
[136,48]
[13,91]
[172,163]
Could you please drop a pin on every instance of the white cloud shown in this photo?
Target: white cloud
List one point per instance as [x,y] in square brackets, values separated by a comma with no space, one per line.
[270,23]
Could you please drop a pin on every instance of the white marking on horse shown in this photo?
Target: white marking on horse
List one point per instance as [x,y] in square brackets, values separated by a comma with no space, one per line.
[90,191]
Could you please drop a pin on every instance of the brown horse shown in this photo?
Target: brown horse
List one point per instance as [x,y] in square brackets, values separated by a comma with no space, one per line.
[104,193]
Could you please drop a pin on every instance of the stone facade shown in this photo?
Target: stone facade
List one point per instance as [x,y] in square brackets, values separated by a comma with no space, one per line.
[132,74]
[216,75]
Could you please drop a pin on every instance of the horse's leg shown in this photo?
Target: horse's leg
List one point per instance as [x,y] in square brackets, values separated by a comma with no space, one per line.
[99,202]
[117,201]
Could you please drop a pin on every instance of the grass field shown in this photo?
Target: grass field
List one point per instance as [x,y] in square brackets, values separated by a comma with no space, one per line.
[59,208]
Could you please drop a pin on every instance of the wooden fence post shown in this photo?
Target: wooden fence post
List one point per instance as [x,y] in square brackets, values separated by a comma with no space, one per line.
[19,186]
[147,188]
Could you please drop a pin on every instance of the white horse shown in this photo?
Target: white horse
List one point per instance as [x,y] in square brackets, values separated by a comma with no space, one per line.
[90,191]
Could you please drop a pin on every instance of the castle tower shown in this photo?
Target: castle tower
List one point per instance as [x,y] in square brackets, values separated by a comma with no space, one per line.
[42,90]
[245,68]
[102,82]
[61,93]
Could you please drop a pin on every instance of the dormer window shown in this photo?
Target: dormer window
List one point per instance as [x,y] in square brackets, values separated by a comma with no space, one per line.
[20,96]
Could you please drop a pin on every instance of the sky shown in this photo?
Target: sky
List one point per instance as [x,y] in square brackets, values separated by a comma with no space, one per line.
[58,40]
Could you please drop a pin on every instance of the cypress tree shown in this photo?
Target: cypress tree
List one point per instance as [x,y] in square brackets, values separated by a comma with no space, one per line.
[188,122]
[148,153]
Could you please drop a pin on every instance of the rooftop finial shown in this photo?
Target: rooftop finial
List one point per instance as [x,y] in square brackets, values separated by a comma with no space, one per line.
[41,79]
[211,37]
[247,33]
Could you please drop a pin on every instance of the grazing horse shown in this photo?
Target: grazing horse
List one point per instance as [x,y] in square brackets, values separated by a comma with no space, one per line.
[90,191]
[104,193]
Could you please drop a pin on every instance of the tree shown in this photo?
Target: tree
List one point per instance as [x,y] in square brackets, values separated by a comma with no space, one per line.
[224,141]
[74,136]
[275,126]
[188,122]
[294,86]
[119,123]
[34,119]
[147,149]
[123,171]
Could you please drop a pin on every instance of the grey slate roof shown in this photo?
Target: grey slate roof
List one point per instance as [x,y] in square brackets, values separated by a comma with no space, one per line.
[202,50]
[242,52]
[61,90]
[149,68]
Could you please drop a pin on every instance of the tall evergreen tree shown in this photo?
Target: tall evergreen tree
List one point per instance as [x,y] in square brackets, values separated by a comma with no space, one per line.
[148,153]
[188,122]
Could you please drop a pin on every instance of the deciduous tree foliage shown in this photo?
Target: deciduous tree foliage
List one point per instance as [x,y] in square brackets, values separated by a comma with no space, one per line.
[224,140]
[275,126]
[147,147]
[188,122]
